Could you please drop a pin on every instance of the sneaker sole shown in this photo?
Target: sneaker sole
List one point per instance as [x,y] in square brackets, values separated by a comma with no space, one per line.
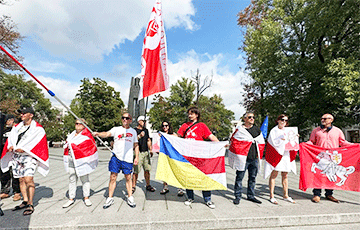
[107,206]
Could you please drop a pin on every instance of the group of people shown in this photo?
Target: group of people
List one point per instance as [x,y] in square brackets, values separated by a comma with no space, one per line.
[25,151]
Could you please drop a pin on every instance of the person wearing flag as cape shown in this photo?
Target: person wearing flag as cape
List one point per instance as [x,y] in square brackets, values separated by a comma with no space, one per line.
[246,148]
[125,142]
[278,159]
[198,131]
[80,159]
[327,136]
[26,149]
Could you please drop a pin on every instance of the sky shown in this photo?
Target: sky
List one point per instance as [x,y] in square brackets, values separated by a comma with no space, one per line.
[67,41]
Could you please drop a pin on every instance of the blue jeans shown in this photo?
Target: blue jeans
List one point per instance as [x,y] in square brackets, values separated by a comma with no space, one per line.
[206,195]
[252,167]
[317,192]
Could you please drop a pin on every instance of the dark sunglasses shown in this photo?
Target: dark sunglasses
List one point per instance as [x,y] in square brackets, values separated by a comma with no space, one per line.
[249,117]
[77,123]
[325,118]
[165,125]
[282,119]
[126,118]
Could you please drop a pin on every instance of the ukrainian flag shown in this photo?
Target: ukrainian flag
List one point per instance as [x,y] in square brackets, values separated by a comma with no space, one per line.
[190,164]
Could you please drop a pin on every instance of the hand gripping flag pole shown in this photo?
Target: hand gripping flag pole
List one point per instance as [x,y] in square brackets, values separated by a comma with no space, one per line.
[53,95]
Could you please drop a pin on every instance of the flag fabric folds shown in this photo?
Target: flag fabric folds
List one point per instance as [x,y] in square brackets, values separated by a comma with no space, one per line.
[34,143]
[154,76]
[337,168]
[83,147]
[191,164]
[241,142]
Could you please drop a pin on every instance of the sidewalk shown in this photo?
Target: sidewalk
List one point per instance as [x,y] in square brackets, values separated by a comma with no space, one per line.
[155,211]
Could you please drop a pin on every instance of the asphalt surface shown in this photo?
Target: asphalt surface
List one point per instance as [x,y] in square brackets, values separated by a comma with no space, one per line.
[155,211]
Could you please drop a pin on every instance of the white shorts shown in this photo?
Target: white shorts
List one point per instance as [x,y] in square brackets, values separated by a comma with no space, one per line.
[23,165]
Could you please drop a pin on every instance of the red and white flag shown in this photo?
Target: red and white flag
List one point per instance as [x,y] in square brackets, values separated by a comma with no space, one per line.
[241,142]
[337,168]
[275,151]
[154,77]
[34,143]
[85,156]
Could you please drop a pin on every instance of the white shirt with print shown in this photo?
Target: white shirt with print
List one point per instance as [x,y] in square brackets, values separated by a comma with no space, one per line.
[124,140]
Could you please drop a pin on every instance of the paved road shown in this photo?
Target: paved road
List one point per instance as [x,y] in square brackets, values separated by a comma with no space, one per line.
[155,211]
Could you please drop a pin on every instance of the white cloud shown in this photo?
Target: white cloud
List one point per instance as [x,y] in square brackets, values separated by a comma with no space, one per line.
[88,29]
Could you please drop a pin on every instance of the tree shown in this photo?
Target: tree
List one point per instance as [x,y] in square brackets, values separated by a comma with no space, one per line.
[200,88]
[98,103]
[174,107]
[10,39]
[302,56]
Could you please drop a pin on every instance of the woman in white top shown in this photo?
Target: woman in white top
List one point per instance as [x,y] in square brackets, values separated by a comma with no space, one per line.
[278,159]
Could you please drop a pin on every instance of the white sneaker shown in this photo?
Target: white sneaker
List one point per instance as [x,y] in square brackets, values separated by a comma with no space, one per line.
[109,201]
[68,203]
[131,201]
[210,204]
[87,202]
[188,202]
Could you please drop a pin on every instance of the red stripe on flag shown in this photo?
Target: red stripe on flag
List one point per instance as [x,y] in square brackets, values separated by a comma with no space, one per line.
[41,149]
[293,154]
[4,150]
[261,150]
[240,147]
[208,165]
[84,149]
[272,156]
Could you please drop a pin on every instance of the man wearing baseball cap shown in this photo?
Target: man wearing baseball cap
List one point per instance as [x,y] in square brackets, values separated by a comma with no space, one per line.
[144,156]
[26,150]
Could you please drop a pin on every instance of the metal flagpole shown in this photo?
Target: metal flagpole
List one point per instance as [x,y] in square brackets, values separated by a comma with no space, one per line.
[53,95]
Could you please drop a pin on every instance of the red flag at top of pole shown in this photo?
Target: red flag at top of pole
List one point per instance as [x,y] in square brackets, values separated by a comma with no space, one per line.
[154,77]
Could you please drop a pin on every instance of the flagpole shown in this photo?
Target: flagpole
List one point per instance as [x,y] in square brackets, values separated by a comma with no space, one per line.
[53,95]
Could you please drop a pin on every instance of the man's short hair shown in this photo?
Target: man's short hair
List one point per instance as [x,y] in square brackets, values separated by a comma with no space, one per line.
[195,110]
[247,114]
[127,114]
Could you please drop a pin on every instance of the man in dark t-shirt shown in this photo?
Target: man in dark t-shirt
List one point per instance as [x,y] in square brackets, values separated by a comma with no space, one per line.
[144,155]
[252,163]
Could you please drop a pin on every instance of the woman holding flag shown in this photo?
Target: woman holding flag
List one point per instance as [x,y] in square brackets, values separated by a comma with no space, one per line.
[278,159]
[80,159]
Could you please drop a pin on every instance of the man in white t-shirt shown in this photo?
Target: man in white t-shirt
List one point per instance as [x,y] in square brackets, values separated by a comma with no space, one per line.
[125,141]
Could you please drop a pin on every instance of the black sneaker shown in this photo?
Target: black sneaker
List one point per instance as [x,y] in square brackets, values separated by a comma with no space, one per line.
[236,201]
[253,199]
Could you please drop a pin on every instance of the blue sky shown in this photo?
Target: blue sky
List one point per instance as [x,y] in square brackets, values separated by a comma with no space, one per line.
[66,41]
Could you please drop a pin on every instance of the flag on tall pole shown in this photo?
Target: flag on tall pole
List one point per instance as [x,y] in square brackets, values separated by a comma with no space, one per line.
[154,78]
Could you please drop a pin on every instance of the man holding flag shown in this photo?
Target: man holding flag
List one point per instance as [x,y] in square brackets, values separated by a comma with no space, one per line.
[330,137]
[246,148]
[25,149]
[198,131]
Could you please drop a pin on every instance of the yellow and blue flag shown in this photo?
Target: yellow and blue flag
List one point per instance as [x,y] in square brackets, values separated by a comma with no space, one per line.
[191,164]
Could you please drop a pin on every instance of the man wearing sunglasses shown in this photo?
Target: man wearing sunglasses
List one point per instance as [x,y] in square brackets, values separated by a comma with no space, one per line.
[247,145]
[125,142]
[327,136]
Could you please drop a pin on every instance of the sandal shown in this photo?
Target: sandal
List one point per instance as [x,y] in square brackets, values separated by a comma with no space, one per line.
[29,210]
[289,199]
[273,201]
[133,190]
[24,204]
[180,192]
[164,191]
[150,188]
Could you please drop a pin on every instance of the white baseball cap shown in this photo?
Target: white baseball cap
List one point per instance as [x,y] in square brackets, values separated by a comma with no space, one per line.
[141,118]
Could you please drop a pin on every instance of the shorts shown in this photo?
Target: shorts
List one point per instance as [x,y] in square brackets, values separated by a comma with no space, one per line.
[144,162]
[116,165]
[23,165]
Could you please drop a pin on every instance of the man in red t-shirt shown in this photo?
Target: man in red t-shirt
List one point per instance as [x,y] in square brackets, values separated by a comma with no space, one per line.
[198,131]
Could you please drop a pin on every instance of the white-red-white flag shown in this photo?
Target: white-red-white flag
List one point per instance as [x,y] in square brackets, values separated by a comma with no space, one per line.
[154,77]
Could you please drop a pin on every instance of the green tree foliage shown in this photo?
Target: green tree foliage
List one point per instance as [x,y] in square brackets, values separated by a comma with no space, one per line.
[16,93]
[173,109]
[98,103]
[303,58]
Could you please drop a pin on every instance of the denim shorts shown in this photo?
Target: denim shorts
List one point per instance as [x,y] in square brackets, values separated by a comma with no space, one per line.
[116,165]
